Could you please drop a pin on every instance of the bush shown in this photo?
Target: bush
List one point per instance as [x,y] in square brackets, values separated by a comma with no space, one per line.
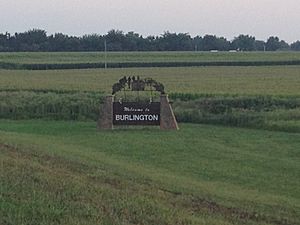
[256,111]
[55,66]
[242,111]
[50,105]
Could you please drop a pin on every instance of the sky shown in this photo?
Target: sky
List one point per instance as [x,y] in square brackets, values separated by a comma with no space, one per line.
[224,18]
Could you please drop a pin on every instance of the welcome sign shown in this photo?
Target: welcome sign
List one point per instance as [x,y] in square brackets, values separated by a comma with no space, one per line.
[136,113]
[115,113]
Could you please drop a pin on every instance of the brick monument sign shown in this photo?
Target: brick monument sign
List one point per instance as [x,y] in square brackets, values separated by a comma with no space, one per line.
[118,113]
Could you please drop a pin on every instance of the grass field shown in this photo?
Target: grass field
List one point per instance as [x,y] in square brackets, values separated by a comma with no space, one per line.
[269,80]
[96,57]
[55,168]
[66,173]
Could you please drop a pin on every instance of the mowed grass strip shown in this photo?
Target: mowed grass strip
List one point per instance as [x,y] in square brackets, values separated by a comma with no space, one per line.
[268,80]
[199,175]
[46,189]
[98,57]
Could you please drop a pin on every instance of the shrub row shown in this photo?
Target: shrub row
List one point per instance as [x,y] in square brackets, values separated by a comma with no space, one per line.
[46,66]
[50,105]
[256,111]
[221,104]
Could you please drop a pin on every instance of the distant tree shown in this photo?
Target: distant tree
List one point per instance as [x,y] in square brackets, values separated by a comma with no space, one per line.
[212,42]
[295,46]
[175,42]
[272,44]
[4,42]
[150,43]
[93,42]
[284,46]
[244,43]
[62,42]
[37,40]
[197,43]
[57,42]
[115,40]
[260,45]
[133,42]
[32,40]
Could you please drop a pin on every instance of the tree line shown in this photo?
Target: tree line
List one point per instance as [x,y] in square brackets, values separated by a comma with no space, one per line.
[116,40]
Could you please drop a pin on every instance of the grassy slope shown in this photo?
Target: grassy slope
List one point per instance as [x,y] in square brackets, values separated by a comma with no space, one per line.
[276,80]
[95,57]
[63,172]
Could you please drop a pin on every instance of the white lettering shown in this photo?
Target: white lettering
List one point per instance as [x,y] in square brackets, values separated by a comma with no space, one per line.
[137,117]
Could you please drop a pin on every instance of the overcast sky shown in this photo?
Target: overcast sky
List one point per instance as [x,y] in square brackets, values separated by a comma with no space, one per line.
[227,18]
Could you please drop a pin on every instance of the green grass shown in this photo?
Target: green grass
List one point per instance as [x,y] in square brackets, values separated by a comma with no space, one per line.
[66,100]
[50,105]
[55,172]
[268,80]
[262,112]
[67,173]
[96,57]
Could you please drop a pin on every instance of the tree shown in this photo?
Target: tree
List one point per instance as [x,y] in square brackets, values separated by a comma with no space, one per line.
[150,43]
[197,43]
[284,46]
[31,40]
[211,42]
[133,41]
[295,46]
[115,40]
[260,45]
[4,39]
[93,42]
[37,40]
[244,43]
[175,42]
[272,44]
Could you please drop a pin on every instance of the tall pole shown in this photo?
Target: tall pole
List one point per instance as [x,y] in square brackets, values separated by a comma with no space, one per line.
[105,54]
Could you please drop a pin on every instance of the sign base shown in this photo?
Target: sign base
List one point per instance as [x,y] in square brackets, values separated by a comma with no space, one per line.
[137,113]
[167,117]
[106,114]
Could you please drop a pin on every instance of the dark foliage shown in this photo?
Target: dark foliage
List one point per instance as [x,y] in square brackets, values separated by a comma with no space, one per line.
[137,84]
[116,40]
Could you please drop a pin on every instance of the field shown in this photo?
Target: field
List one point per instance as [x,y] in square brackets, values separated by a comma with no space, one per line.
[274,80]
[95,57]
[235,159]
[202,174]
[88,60]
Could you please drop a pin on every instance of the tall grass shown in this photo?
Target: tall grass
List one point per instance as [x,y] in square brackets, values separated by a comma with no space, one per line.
[50,105]
[275,80]
[256,112]
[63,66]
[117,57]
[265,112]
